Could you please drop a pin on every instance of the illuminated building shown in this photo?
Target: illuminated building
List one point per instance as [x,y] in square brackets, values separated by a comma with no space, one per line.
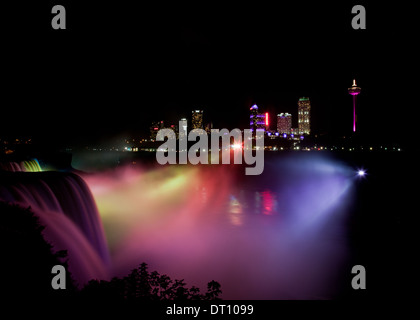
[253,117]
[267,125]
[304,116]
[354,91]
[197,119]
[154,128]
[174,127]
[284,123]
[258,120]
[183,133]
[208,128]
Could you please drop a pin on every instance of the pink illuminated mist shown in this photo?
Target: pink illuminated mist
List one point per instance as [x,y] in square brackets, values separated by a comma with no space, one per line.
[260,238]
[275,236]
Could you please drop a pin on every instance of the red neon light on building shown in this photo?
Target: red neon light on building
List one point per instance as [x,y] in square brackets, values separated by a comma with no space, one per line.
[266,119]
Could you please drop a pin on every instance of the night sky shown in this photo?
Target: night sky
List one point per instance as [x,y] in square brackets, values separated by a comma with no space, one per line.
[118,67]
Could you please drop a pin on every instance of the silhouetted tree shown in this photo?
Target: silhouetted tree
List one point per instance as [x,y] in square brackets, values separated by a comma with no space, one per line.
[140,284]
[144,286]
[194,293]
[179,291]
[213,290]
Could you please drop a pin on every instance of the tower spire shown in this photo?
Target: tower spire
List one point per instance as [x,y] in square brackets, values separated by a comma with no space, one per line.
[354,91]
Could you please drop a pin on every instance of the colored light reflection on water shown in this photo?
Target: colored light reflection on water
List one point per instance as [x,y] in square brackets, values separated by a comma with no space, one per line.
[275,236]
[268,202]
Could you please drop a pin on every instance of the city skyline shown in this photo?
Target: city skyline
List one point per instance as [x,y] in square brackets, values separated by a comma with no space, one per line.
[258,120]
[190,63]
[229,120]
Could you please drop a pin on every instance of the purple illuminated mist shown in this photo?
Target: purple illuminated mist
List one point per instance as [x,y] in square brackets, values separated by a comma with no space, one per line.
[275,236]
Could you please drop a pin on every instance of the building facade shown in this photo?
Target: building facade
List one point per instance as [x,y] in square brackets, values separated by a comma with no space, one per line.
[284,123]
[197,119]
[182,129]
[304,116]
[257,119]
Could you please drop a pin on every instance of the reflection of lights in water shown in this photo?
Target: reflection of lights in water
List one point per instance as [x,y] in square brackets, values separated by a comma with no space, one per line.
[265,202]
[235,210]
[204,195]
[268,202]
[257,201]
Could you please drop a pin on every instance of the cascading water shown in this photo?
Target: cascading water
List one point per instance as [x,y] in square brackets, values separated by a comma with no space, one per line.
[64,204]
[23,166]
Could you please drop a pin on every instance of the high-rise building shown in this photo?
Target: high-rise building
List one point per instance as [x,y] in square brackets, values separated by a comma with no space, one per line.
[253,117]
[257,120]
[175,128]
[197,119]
[304,116]
[284,123]
[183,129]
[208,127]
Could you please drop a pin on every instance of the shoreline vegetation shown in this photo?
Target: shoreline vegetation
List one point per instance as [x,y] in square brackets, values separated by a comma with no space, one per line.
[28,260]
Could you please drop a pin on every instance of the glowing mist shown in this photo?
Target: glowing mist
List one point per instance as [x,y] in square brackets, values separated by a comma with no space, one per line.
[264,238]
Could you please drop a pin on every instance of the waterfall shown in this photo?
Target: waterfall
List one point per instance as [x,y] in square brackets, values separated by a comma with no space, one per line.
[23,166]
[65,206]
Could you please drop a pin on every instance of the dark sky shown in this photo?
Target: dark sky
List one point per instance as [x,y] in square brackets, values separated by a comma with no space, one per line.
[118,67]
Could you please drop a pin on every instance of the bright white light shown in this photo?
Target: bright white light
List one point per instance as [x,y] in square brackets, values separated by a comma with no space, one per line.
[361,173]
[236,146]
